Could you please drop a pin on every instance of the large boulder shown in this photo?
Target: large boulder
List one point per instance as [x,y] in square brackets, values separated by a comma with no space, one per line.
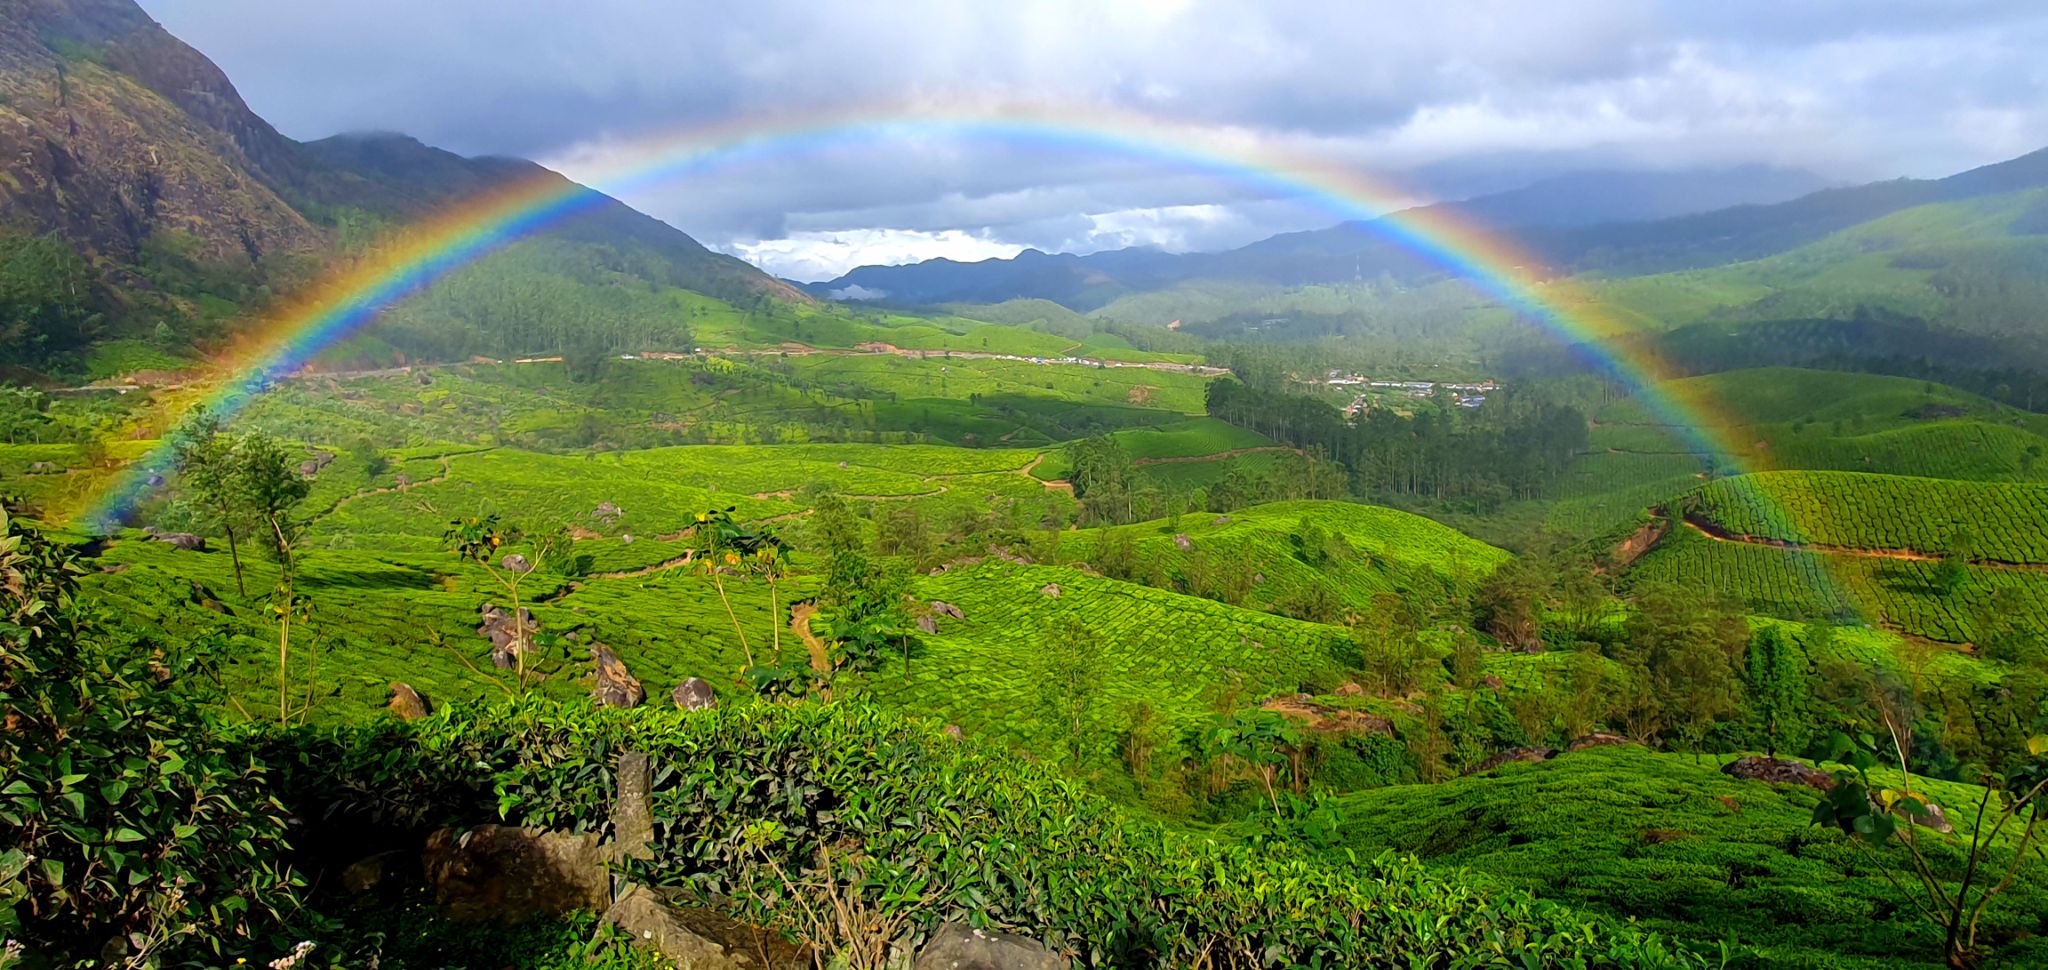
[943,608]
[1782,771]
[1598,739]
[616,686]
[508,639]
[1050,589]
[506,875]
[689,938]
[406,702]
[1499,758]
[515,563]
[957,946]
[694,694]
[926,624]
[183,540]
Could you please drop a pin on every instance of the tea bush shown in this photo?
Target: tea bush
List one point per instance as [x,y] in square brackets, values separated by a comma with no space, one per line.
[930,829]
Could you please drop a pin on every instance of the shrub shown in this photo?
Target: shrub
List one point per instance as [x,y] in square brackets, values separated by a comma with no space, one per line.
[767,805]
[124,816]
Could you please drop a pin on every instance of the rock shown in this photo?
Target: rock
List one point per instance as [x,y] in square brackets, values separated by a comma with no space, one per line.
[515,563]
[1935,818]
[1512,755]
[402,479]
[1781,771]
[957,946]
[927,624]
[508,640]
[953,731]
[1258,579]
[1220,520]
[606,511]
[627,538]
[183,540]
[1322,717]
[500,874]
[655,925]
[1349,688]
[1181,540]
[1050,589]
[632,809]
[309,468]
[616,686]
[43,468]
[372,872]
[1492,682]
[406,702]
[947,609]
[694,694]
[1597,739]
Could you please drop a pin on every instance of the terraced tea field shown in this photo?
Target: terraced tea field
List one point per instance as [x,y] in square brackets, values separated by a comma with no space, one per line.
[1367,550]
[1179,655]
[2001,522]
[1904,595]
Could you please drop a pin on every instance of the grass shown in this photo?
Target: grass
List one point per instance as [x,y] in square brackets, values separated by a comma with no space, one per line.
[1687,851]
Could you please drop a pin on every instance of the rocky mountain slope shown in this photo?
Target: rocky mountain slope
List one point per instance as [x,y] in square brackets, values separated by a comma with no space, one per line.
[123,141]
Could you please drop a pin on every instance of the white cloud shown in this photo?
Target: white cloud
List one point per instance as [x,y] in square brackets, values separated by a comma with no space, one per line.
[812,256]
[1389,88]
[856,292]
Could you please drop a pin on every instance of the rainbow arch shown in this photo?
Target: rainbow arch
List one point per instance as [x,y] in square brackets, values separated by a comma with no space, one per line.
[426,251]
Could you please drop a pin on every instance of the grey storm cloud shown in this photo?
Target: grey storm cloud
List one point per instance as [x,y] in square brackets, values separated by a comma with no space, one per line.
[1451,98]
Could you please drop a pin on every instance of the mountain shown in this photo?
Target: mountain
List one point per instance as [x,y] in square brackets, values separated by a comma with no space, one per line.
[136,152]
[1087,282]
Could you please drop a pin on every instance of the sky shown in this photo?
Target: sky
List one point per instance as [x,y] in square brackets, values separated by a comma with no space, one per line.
[1445,99]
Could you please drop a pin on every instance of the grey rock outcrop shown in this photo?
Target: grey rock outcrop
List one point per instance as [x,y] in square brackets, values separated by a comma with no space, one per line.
[694,694]
[957,946]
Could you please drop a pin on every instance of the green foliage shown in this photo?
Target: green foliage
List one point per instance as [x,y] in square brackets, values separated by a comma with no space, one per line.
[1688,851]
[124,816]
[1965,521]
[759,800]
[45,290]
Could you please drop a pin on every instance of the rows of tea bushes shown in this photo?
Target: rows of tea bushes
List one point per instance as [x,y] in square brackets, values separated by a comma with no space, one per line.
[1908,596]
[1998,521]
[927,829]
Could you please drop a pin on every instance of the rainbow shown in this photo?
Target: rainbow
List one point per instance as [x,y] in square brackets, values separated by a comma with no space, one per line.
[427,251]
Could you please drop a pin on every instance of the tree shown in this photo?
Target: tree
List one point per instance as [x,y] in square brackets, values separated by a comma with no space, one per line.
[1069,677]
[1687,644]
[1777,688]
[1258,739]
[1508,604]
[45,289]
[1390,651]
[204,457]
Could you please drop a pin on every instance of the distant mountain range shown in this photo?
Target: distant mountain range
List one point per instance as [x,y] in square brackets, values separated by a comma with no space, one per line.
[1615,222]
[119,137]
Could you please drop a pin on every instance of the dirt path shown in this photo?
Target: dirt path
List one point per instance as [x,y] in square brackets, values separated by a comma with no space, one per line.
[800,624]
[1054,485]
[387,490]
[681,560]
[1718,534]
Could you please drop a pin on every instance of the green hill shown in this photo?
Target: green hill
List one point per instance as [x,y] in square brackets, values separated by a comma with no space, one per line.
[1683,849]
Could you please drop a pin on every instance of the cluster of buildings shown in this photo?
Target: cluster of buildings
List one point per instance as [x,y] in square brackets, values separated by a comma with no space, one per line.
[1468,395]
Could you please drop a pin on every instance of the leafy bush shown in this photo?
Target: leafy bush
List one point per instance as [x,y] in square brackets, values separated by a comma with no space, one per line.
[123,815]
[766,805]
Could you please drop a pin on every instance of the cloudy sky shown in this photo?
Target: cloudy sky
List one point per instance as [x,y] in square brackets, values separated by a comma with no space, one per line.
[1445,99]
